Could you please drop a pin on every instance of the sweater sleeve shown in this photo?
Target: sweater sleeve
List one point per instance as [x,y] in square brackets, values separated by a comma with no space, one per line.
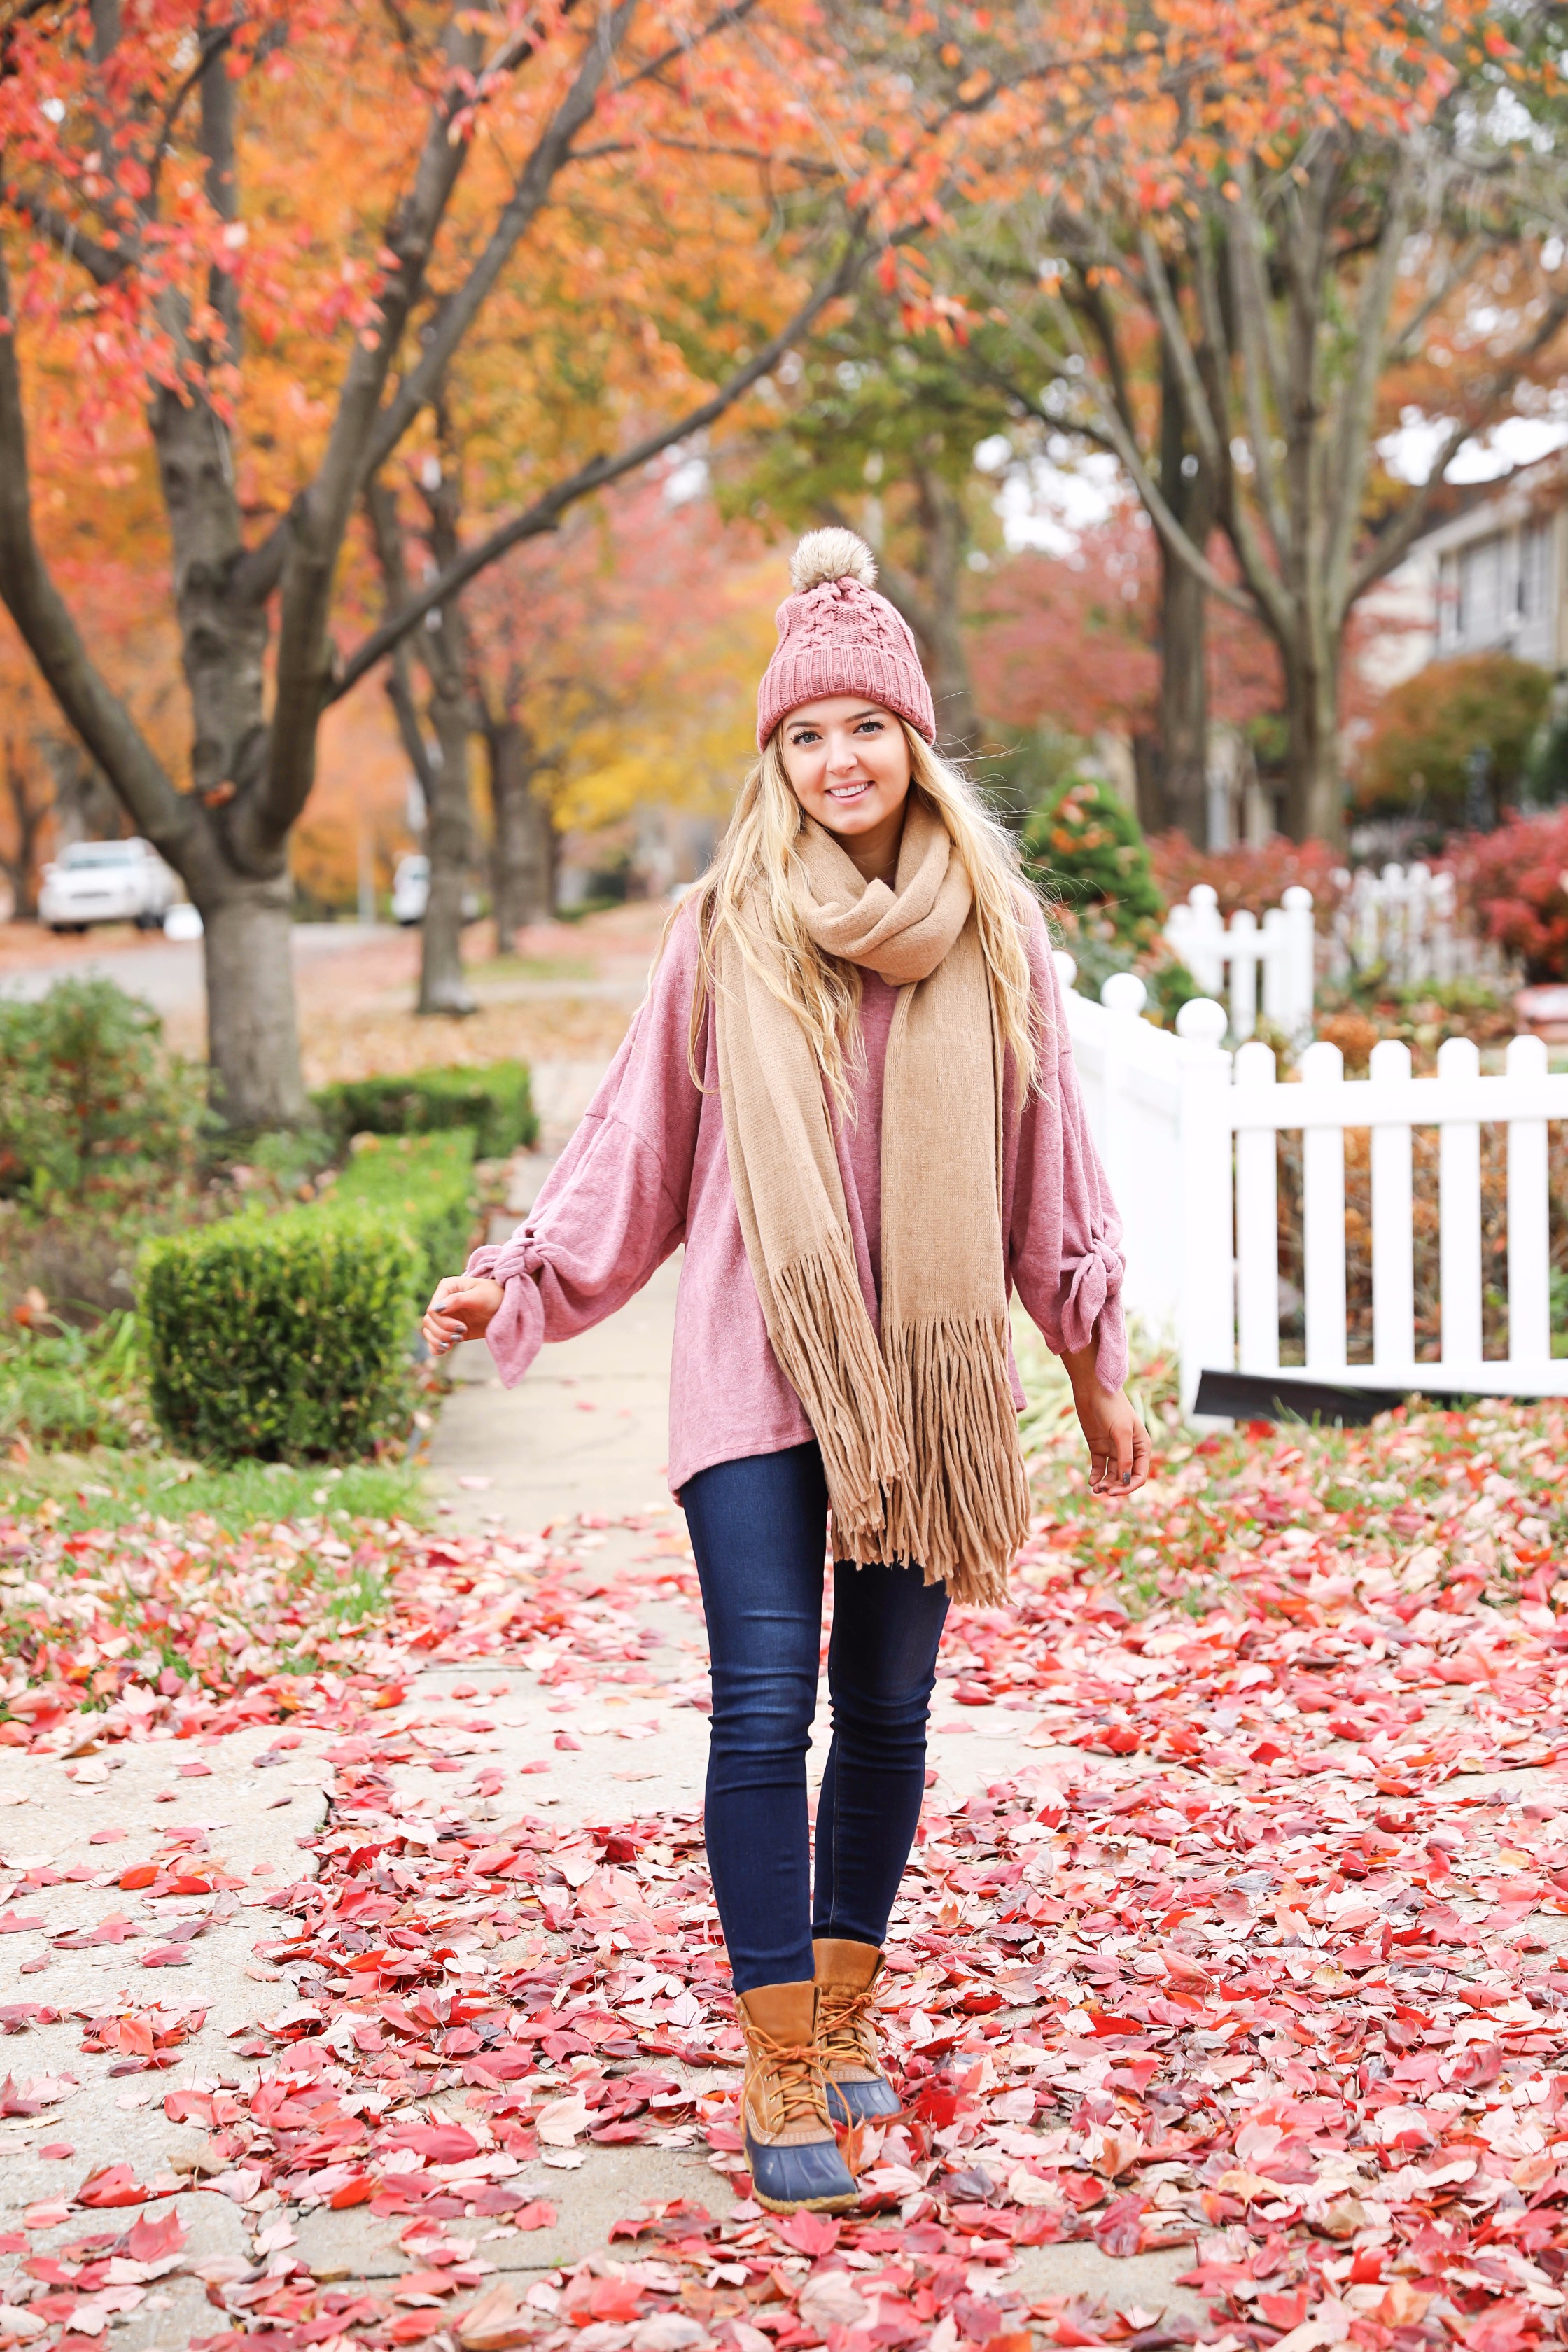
[615,1204]
[1065,1235]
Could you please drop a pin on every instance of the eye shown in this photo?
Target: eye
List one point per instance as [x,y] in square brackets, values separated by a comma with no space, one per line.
[807,735]
[869,726]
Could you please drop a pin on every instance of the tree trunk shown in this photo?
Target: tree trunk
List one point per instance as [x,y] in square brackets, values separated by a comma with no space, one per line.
[1149,778]
[946,534]
[253,1039]
[929,599]
[87,807]
[450,825]
[449,842]
[1314,788]
[27,815]
[222,642]
[522,847]
[1184,698]
[1188,488]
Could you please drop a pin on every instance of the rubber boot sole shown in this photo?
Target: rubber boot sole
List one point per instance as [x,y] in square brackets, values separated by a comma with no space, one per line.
[824,2194]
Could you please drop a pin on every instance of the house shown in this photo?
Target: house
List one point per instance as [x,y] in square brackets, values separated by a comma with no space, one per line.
[1491,576]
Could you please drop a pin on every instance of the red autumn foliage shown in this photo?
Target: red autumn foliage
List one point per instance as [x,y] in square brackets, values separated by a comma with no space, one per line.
[1254,878]
[1514,883]
[1072,641]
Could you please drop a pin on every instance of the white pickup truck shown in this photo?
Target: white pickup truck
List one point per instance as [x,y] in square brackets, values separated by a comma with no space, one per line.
[107,882]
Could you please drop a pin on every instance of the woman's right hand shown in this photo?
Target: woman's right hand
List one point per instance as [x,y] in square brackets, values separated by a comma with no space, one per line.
[463,1307]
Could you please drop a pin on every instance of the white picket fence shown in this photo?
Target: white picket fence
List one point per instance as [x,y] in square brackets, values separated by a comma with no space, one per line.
[1188,1134]
[1282,948]
[1404,920]
[1407,919]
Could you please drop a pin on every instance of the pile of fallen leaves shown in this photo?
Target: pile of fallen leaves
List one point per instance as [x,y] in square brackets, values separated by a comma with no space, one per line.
[166,1630]
[1257,1954]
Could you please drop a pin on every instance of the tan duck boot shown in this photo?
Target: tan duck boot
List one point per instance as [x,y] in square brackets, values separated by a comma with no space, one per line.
[858,2091]
[790,2146]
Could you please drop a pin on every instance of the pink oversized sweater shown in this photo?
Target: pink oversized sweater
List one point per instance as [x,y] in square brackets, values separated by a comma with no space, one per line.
[647,1171]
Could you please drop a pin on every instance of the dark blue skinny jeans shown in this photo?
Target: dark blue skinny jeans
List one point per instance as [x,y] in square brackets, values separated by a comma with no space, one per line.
[759,1530]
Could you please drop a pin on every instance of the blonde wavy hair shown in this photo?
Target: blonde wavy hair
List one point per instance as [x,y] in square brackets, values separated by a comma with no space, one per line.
[756,864]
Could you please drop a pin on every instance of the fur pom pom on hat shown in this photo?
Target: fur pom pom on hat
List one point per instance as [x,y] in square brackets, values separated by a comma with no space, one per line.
[837,636]
[824,555]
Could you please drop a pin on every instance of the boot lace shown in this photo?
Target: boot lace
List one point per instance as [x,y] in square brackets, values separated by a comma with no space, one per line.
[846,2035]
[796,2070]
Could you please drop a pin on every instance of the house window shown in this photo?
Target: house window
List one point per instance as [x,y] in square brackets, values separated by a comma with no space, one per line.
[1534,571]
[1450,602]
[1480,587]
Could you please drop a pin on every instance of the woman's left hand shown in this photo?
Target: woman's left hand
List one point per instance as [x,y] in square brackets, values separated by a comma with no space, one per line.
[1117,1440]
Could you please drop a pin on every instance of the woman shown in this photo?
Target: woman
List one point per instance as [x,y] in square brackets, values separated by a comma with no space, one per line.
[849,1094]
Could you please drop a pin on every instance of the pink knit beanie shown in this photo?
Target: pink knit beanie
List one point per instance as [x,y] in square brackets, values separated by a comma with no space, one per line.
[837,635]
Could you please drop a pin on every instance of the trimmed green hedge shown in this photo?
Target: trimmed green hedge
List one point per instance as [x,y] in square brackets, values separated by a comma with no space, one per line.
[494,1101]
[282,1336]
[425,1183]
[289,1337]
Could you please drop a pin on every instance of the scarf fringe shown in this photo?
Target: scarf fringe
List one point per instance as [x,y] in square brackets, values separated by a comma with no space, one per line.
[823,1341]
[966,1514]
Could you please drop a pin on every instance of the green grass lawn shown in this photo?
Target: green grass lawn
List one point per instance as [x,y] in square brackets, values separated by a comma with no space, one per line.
[533,968]
[108,1489]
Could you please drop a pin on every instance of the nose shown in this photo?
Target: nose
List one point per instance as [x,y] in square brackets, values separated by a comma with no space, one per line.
[843,755]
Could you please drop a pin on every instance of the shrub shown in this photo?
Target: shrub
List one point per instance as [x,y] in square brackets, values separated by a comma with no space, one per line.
[494,1101]
[284,1336]
[1512,882]
[62,1387]
[1357,1015]
[89,1108]
[1545,777]
[1086,850]
[1033,768]
[1254,876]
[1416,757]
[424,1184]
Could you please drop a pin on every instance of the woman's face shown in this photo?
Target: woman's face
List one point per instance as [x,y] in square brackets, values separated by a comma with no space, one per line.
[848,760]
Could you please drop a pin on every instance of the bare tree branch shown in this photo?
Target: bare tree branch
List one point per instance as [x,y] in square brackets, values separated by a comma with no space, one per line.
[386,535]
[1394,544]
[545,513]
[722,23]
[103,265]
[1449,284]
[1268,596]
[320,518]
[1261,376]
[214,41]
[461,308]
[1194,397]
[51,634]
[1350,436]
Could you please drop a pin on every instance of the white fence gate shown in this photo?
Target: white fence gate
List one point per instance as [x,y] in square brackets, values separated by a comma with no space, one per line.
[1406,918]
[1189,1136]
[1283,948]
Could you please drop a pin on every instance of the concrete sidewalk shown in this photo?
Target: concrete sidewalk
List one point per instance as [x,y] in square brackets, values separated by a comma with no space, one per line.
[588,1430]
[584,1433]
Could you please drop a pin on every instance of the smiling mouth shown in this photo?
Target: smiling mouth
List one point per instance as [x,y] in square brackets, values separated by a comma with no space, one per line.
[849,792]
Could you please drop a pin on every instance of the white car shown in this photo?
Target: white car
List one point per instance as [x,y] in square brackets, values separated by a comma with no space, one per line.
[411,892]
[107,882]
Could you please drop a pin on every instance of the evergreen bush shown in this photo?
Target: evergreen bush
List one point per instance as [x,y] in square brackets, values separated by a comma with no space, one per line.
[1416,759]
[424,1184]
[1086,850]
[285,1337]
[494,1100]
[91,1110]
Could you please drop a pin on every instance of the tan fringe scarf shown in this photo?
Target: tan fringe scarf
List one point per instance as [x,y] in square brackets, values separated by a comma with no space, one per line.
[918,1431]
